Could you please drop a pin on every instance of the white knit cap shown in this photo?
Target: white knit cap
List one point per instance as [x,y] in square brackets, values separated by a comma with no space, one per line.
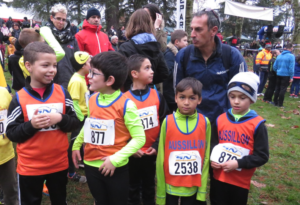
[248,78]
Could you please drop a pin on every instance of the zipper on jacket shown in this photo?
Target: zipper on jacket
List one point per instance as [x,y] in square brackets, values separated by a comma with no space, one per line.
[98,40]
[187,125]
[141,95]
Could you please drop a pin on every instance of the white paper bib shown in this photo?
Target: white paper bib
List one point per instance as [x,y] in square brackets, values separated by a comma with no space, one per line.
[148,117]
[185,163]
[3,121]
[99,132]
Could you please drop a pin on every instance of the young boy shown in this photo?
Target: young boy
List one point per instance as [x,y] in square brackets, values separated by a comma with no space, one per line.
[39,117]
[112,120]
[152,109]
[178,41]
[79,92]
[8,180]
[183,151]
[242,145]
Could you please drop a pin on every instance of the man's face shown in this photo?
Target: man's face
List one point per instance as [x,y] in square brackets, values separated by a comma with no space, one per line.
[59,20]
[94,20]
[115,40]
[200,33]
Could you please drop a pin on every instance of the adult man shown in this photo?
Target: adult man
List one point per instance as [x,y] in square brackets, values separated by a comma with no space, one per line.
[284,67]
[25,23]
[203,60]
[114,42]
[74,29]
[262,63]
[112,31]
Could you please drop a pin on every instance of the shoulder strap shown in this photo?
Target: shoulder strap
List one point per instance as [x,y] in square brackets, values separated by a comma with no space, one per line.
[186,56]
[226,56]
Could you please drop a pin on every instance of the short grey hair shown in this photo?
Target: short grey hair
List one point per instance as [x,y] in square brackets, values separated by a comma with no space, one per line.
[114,37]
[58,8]
[212,20]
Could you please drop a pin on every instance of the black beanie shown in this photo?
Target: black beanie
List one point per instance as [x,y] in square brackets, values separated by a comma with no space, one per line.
[92,12]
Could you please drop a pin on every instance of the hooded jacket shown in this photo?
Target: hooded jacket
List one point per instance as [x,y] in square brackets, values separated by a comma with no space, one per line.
[285,64]
[297,71]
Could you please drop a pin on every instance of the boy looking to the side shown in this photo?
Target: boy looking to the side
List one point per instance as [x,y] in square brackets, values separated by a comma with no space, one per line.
[183,152]
[152,109]
[39,117]
[242,144]
[112,121]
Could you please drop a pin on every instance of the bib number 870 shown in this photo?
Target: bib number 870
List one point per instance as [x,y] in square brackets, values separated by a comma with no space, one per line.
[186,168]
[229,157]
[95,136]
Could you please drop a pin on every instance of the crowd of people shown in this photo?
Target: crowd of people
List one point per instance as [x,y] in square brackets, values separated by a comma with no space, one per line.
[136,111]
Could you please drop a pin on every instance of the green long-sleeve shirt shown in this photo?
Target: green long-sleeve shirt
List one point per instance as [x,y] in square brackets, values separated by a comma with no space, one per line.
[132,123]
[184,123]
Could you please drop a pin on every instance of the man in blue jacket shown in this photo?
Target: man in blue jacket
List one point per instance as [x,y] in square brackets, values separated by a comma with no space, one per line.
[284,67]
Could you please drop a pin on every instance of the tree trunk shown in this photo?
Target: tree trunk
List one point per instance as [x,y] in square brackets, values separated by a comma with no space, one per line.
[239,26]
[188,17]
[296,33]
[79,11]
[112,14]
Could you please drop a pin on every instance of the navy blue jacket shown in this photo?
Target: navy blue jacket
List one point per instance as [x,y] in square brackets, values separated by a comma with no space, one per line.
[213,75]
[297,70]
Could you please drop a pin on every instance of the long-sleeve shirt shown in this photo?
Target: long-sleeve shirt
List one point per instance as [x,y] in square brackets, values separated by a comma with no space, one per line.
[132,123]
[184,123]
[285,64]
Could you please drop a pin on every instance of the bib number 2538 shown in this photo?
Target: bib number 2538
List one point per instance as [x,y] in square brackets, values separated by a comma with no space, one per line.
[184,163]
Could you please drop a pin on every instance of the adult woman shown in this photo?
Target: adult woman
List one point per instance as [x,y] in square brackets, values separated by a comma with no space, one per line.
[61,30]
[140,32]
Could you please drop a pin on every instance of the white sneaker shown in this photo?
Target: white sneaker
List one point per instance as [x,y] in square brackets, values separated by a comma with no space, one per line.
[261,94]
[258,94]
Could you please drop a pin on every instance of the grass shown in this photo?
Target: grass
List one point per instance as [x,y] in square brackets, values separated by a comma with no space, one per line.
[281,174]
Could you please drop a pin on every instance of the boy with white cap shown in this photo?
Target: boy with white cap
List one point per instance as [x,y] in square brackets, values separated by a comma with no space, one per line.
[243,142]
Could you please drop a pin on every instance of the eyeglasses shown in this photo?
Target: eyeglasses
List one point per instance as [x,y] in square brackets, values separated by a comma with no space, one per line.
[60,19]
[244,86]
[92,74]
[214,13]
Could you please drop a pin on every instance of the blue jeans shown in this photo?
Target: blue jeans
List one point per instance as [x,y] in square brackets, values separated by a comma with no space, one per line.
[295,86]
[263,76]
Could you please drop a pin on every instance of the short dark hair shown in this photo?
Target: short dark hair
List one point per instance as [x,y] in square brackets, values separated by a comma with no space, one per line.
[29,35]
[190,82]
[135,62]
[289,46]
[153,9]
[178,35]
[32,50]
[112,64]
[212,18]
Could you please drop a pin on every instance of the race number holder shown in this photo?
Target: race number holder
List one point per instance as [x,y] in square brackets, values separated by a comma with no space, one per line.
[3,121]
[148,117]
[185,163]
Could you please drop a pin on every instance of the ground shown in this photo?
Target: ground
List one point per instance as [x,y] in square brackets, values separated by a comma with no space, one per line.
[276,183]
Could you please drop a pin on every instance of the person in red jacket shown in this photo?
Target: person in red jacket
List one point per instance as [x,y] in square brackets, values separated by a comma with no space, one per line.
[91,39]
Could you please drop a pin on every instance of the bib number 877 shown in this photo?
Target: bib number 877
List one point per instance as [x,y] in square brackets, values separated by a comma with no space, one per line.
[186,168]
[96,136]
[229,157]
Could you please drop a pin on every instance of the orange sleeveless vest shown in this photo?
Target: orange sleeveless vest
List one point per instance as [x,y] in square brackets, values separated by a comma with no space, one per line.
[115,111]
[178,141]
[151,100]
[240,134]
[45,152]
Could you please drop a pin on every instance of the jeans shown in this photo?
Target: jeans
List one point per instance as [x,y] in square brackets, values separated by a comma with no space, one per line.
[263,76]
[282,84]
[295,86]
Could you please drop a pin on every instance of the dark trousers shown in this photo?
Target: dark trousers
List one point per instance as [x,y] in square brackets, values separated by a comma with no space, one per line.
[295,86]
[74,135]
[8,182]
[107,190]
[142,180]
[31,188]
[263,76]
[228,194]
[189,200]
[282,83]
[271,87]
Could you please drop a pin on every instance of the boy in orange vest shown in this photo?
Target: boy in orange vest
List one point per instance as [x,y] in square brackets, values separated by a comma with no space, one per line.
[183,152]
[152,109]
[112,132]
[39,117]
[242,145]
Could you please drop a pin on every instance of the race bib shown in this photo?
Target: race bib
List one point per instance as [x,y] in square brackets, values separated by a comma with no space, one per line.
[148,117]
[3,121]
[226,151]
[99,132]
[45,109]
[87,98]
[185,163]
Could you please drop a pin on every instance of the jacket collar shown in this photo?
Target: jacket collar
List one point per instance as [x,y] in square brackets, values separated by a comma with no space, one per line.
[173,48]
[140,92]
[216,53]
[34,93]
[87,26]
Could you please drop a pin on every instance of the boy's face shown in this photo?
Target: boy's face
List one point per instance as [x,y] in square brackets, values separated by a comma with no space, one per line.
[97,81]
[187,101]
[43,70]
[239,102]
[145,74]
[181,43]
[87,66]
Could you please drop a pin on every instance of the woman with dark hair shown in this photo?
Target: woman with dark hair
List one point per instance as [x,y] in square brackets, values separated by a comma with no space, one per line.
[158,22]
[140,32]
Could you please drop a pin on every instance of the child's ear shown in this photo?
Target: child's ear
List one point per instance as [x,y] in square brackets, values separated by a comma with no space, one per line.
[134,74]
[28,66]
[176,42]
[199,100]
[110,81]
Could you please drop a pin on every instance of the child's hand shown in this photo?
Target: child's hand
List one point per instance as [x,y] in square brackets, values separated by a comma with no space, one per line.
[151,151]
[76,157]
[54,118]
[107,167]
[138,154]
[230,165]
[40,121]
[215,165]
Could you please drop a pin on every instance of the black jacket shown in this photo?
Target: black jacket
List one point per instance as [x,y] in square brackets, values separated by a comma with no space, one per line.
[19,131]
[152,51]
[18,81]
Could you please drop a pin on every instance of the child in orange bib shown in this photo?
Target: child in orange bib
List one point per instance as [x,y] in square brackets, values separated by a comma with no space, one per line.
[242,144]
[152,109]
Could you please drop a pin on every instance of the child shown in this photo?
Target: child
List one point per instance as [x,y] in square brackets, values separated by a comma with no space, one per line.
[296,79]
[39,117]
[183,151]
[112,121]
[79,92]
[243,143]
[8,180]
[147,100]
[178,41]
[11,47]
